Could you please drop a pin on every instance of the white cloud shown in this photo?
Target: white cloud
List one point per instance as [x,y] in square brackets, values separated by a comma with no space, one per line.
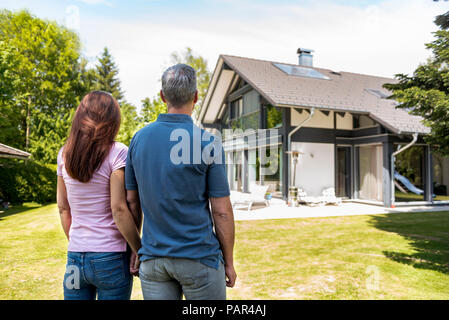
[382,39]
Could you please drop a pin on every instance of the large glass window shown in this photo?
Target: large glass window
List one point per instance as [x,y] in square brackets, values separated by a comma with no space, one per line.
[245,112]
[274,180]
[237,178]
[274,117]
[409,174]
[271,178]
[225,119]
[362,121]
[370,172]
[440,177]
[343,171]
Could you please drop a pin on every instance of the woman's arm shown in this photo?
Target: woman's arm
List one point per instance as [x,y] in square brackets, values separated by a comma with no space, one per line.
[132,197]
[120,211]
[63,206]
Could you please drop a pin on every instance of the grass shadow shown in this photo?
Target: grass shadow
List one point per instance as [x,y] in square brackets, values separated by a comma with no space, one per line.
[427,234]
[16,209]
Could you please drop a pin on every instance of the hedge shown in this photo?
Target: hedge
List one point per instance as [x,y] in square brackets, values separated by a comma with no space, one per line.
[27,181]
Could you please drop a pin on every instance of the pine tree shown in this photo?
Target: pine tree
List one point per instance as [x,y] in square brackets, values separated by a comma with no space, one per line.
[425,93]
[107,76]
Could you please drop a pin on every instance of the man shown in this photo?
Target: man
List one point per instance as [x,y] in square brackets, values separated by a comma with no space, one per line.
[177,186]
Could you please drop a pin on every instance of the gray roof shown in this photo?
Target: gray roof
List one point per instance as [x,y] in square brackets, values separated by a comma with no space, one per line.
[343,91]
[10,152]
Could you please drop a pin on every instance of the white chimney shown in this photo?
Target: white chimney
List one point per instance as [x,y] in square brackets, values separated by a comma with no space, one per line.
[305,57]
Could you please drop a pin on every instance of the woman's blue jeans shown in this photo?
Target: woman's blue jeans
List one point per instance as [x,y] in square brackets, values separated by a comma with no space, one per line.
[102,275]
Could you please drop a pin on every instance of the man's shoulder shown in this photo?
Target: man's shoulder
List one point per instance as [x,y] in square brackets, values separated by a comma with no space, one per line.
[145,130]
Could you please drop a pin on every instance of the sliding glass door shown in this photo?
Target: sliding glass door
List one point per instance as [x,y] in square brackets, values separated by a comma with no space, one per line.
[370,164]
[409,174]
[343,186]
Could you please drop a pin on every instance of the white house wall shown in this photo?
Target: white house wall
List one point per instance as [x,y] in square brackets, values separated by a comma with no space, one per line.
[315,169]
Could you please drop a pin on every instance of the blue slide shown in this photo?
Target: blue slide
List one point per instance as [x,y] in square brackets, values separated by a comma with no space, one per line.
[406,182]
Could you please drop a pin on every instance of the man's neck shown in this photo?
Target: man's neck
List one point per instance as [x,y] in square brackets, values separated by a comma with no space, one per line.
[183,110]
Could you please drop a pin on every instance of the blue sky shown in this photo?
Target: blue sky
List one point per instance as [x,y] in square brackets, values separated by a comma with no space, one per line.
[365,36]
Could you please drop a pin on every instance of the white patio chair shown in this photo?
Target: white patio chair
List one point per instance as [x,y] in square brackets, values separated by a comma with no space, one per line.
[329,197]
[303,198]
[256,195]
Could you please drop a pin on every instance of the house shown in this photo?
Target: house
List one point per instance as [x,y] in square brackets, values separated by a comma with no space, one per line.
[10,152]
[346,132]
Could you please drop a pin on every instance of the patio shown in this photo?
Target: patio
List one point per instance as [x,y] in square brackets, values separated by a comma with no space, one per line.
[279,210]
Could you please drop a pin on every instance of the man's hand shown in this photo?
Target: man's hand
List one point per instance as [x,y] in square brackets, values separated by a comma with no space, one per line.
[134,264]
[231,276]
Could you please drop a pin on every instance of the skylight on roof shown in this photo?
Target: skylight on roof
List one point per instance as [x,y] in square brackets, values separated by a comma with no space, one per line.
[378,93]
[299,71]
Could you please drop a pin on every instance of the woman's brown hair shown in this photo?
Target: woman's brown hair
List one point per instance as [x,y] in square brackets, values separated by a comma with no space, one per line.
[94,128]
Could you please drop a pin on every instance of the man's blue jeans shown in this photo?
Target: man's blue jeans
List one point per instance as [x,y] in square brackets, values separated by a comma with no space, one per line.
[170,278]
[102,274]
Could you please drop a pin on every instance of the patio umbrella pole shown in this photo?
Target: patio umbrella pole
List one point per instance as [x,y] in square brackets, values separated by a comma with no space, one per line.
[289,152]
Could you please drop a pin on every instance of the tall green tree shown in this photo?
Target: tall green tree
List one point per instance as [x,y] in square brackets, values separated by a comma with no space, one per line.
[9,82]
[107,76]
[46,63]
[151,109]
[426,92]
[88,77]
[130,123]
[203,74]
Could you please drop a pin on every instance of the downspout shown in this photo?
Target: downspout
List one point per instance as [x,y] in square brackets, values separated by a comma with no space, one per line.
[393,158]
[289,146]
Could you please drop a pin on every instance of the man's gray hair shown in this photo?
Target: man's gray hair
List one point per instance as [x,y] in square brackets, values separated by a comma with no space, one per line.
[179,84]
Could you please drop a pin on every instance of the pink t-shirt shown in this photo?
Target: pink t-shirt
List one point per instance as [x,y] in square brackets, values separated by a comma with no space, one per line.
[93,229]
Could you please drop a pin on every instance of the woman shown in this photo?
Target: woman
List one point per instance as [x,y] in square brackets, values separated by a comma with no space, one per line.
[92,204]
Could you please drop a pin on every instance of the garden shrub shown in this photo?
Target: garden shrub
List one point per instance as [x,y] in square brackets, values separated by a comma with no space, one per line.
[27,181]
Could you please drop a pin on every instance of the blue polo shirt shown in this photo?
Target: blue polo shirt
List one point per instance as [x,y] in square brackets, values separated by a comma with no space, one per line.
[169,163]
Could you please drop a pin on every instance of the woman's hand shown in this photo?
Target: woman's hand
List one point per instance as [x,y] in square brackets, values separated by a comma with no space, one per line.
[134,264]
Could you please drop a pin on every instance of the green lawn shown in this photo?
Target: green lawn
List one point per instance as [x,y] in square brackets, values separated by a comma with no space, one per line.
[405,255]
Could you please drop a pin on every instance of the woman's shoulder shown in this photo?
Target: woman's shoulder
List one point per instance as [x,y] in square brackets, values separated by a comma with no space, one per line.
[118,146]
[117,155]
[59,157]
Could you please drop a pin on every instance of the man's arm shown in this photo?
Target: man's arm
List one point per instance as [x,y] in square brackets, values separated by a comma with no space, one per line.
[63,206]
[120,211]
[224,226]
[132,197]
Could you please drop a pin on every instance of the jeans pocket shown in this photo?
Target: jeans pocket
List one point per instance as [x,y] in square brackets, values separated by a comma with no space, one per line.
[110,271]
[153,270]
[70,261]
[145,269]
[193,273]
